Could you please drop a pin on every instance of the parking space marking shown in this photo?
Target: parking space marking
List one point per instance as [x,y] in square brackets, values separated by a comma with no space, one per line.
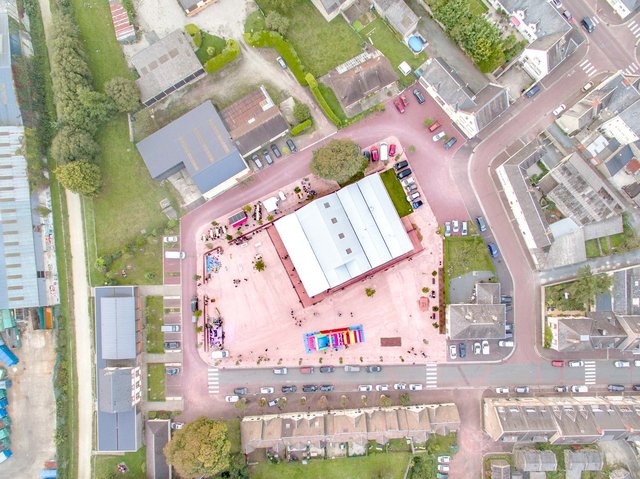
[589,372]
[213,380]
[432,375]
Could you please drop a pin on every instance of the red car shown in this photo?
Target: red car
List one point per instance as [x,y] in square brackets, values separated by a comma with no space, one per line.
[392,149]
[399,105]
[557,364]
[374,153]
[405,102]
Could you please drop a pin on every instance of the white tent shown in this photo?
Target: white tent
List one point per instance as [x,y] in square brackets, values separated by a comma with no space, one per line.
[270,204]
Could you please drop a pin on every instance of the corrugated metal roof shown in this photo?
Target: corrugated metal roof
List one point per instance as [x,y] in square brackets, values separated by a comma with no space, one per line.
[118,327]
[9,109]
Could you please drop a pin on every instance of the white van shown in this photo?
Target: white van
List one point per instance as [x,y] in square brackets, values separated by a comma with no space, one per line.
[170,328]
[174,254]
[384,152]
[219,354]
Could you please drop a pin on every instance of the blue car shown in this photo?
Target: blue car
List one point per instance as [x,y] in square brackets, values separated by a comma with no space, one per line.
[417,204]
[493,250]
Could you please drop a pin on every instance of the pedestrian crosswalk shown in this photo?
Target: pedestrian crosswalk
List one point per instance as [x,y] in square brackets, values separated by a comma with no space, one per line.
[632,69]
[634,28]
[589,372]
[588,68]
[213,380]
[432,375]
[595,19]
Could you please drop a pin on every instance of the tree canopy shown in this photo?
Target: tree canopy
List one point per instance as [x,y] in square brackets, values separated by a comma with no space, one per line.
[338,160]
[71,144]
[80,177]
[124,93]
[201,448]
[277,23]
[301,112]
[588,285]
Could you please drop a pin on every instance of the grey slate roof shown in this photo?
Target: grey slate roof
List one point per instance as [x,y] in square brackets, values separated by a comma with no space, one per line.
[530,460]
[584,460]
[118,328]
[619,159]
[115,390]
[197,141]
[548,22]
[631,4]
[599,330]
[398,14]
[158,435]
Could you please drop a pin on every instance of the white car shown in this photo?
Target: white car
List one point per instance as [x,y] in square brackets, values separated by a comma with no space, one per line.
[505,344]
[622,364]
[365,387]
[575,364]
[400,386]
[439,136]
[444,459]
[559,110]
[453,351]
[465,230]
[413,196]
[280,371]
[579,389]
[415,387]
[447,229]
[476,348]
[170,239]
[502,390]
[443,468]
[177,425]
[232,398]
[456,226]
[382,387]
[485,347]
[557,3]
[267,390]
[408,181]
[636,363]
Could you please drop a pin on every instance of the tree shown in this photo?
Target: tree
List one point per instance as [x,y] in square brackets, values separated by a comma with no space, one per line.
[338,160]
[588,285]
[241,405]
[385,401]
[71,144]
[124,93]
[344,401]
[259,265]
[283,6]
[80,177]
[201,448]
[301,112]
[277,23]
[369,292]
[405,399]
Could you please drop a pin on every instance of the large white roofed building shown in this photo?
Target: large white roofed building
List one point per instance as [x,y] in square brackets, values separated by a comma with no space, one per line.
[343,235]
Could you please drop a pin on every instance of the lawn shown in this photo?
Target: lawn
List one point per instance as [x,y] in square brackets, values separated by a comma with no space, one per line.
[592,248]
[477,7]
[379,465]
[332,101]
[127,184]
[153,315]
[155,382]
[385,40]
[555,296]
[105,466]
[321,45]
[463,254]
[209,40]
[396,192]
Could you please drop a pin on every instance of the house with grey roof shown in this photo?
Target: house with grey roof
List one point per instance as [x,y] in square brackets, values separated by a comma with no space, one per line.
[482,319]
[550,36]
[595,331]
[398,14]
[330,9]
[470,111]
[624,8]
[166,66]
[583,460]
[191,7]
[118,344]
[157,435]
[500,469]
[199,143]
[533,460]
[626,291]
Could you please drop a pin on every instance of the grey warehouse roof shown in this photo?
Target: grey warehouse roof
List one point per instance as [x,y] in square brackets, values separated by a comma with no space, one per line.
[197,141]
[115,390]
[9,109]
[118,328]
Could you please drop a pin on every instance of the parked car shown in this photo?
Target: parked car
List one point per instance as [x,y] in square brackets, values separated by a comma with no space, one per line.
[636,362]
[232,398]
[291,145]
[481,224]
[257,161]
[557,3]
[636,387]
[374,369]
[508,327]
[411,188]
[384,152]
[438,136]
[365,387]
[240,391]
[419,96]
[173,345]
[465,229]
[455,226]
[447,229]
[282,63]
[326,387]
[309,388]
[352,369]
[169,371]
[400,386]
[274,402]
[450,142]
[615,388]
[579,389]
[502,390]
[415,387]
[561,389]
[493,250]
[399,105]
[306,370]
[522,389]
[382,387]
[327,369]
[194,304]
[567,14]
[444,459]
[392,149]
[276,150]
[588,24]
[476,348]
[575,364]
[417,204]
[267,157]
[434,126]
[485,347]
[267,390]
[170,239]
[463,350]
[557,364]
[404,173]
[170,328]
[622,364]
[367,154]
[289,389]
[408,181]
[177,425]
[505,343]
[413,196]
[588,86]
[443,467]
[400,165]
[559,109]
[280,371]
[453,351]
[374,154]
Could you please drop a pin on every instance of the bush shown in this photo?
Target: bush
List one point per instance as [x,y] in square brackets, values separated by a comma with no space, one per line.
[313,85]
[296,130]
[286,51]
[548,337]
[230,53]
[301,112]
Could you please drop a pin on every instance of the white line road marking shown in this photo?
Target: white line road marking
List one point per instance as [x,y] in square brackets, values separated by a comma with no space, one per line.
[589,372]
[432,375]
[213,380]
[584,62]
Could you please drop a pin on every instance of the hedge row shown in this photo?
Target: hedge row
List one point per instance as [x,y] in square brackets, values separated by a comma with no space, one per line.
[195,34]
[286,51]
[299,128]
[230,53]
[313,85]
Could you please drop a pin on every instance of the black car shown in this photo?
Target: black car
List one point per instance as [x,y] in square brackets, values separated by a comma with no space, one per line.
[463,350]
[417,204]
[615,387]
[636,387]
[267,156]
[309,388]
[194,304]
[289,389]
[419,96]
[276,150]
[327,369]
[291,145]
[326,387]
[172,345]
[450,142]
[399,166]
[374,369]
[240,391]
[404,173]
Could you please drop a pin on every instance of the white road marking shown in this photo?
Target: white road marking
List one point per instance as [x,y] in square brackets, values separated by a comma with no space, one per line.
[589,372]
[588,68]
[213,380]
[432,375]
[583,63]
[595,20]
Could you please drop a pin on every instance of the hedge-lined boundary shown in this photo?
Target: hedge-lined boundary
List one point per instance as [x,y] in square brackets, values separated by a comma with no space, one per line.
[299,128]
[274,40]
[230,53]
[313,85]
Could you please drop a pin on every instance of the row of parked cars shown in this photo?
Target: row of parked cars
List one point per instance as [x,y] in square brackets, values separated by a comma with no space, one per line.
[383,153]
[266,155]
[408,183]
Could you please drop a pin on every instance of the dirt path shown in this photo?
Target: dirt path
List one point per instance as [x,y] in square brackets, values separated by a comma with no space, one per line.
[82,330]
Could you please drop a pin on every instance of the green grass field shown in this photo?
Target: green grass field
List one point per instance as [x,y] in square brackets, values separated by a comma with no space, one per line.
[592,249]
[155,382]
[463,254]
[106,466]
[209,40]
[332,101]
[396,192]
[153,316]
[390,466]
